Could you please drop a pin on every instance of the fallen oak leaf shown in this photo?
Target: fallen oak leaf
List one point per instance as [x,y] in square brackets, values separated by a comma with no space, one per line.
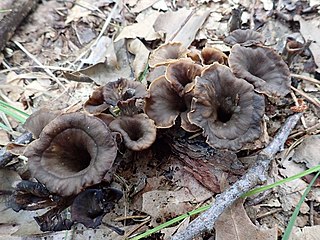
[234,223]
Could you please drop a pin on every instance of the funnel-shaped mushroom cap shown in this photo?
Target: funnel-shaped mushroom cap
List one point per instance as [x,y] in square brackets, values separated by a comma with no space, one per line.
[244,38]
[38,120]
[262,67]
[122,90]
[181,73]
[210,55]
[167,53]
[73,151]
[138,131]
[96,104]
[164,104]
[226,108]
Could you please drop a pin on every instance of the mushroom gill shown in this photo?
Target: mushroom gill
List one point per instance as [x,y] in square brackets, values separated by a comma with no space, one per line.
[262,67]
[138,131]
[226,108]
[72,152]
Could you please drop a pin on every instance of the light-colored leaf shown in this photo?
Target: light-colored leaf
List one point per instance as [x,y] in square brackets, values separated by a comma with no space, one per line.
[308,151]
[234,223]
[311,31]
[142,29]
[141,53]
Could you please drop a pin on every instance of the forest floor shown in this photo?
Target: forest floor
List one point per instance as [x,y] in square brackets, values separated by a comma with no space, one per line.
[64,50]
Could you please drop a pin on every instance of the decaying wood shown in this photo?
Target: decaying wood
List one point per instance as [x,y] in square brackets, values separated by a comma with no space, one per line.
[12,19]
[205,222]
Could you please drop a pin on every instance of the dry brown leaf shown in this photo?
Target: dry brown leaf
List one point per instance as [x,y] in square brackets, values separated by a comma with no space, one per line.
[142,29]
[308,152]
[311,31]
[187,24]
[164,204]
[189,30]
[102,73]
[164,22]
[4,137]
[140,5]
[234,223]
[306,233]
[137,48]
[102,51]
[81,9]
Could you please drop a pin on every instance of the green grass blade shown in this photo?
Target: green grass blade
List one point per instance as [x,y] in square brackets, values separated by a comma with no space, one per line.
[285,180]
[13,108]
[5,127]
[170,222]
[13,114]
[293,218]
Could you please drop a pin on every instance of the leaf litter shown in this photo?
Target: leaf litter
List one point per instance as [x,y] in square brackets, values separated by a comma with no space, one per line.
[163,186]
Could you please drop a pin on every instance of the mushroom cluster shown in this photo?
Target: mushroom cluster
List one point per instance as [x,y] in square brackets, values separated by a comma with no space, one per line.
[120,105]
[220,95]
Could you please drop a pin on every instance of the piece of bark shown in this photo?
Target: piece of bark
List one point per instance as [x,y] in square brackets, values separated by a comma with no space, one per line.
[12,18]
[205,222]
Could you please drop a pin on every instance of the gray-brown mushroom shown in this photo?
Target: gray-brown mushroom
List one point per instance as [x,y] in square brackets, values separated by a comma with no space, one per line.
[73,151]
[138,131]
[167,53]
[96,104]
[245,38]
[262,67]
[124,93]
[181,75]
[226,108]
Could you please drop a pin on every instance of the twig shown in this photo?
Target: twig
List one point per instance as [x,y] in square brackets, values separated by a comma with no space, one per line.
[104,28]
[306,78]
[306,96]
[40,64]
[205,222]
[14,16]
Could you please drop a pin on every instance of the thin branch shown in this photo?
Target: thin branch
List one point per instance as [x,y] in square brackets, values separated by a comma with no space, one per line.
[306,78]
[39,63]
[205,222]
[307,97]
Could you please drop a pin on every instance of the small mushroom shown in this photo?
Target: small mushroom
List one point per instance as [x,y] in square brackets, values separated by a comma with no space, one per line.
[38,120]
[124,93]
[96,104]
[90,206]
[167,53]
[182,73]
[291,50]
[72,152]
[245,38]
[138,131]
[210,55]
[164,104]
[262,67]
[226,108]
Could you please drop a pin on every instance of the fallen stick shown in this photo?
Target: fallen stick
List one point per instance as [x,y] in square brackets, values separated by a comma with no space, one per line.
[12,19]
[256,174]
